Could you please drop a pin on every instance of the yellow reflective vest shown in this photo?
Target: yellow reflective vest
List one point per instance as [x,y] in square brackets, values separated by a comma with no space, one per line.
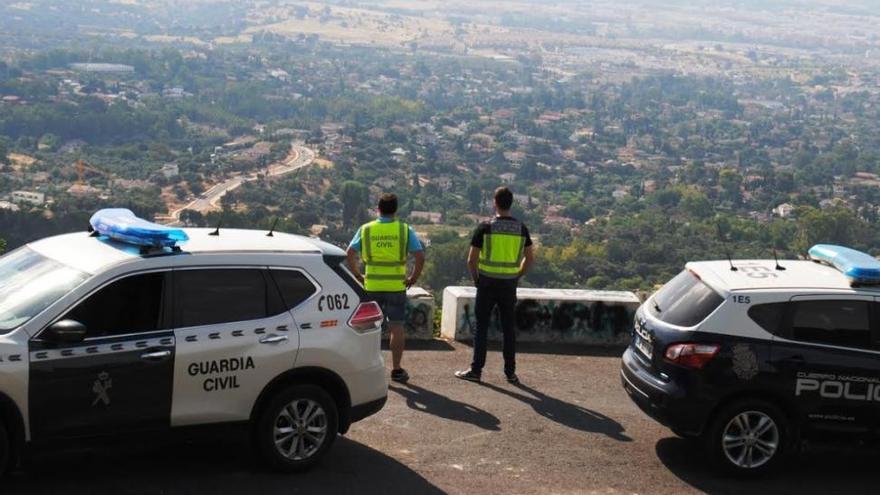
[384,249]
[503,248]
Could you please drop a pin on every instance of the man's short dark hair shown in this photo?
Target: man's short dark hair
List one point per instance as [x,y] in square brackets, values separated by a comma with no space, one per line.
[387,204]
[503,198]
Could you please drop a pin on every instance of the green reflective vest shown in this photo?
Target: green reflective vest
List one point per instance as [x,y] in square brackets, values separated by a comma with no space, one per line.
[502,252]
[384,249]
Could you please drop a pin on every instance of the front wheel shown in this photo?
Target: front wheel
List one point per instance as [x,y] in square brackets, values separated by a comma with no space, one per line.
[296,428]
[749,437]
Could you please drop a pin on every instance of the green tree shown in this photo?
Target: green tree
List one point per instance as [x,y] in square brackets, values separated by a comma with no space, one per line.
[730,181]
[475,197]
[695,204]
[446,265]
[836,225]
[4,152]
[355,197]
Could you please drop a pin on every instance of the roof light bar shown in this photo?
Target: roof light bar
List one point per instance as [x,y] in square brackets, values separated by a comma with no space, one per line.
[859,267]
[122,225]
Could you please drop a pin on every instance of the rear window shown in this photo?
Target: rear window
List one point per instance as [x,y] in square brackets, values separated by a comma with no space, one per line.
[684,301]
[768,316]
[295,287]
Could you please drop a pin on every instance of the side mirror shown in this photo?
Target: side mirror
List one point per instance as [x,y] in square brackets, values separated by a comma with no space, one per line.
[68,331]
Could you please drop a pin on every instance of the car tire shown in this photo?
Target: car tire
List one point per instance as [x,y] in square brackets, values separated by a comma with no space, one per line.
[749,437]
[296,428]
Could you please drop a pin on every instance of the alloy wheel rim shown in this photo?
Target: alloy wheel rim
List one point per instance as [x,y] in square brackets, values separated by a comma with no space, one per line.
[300,429]
[750,439]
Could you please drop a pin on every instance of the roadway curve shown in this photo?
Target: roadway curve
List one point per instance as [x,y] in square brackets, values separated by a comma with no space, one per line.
[299,157]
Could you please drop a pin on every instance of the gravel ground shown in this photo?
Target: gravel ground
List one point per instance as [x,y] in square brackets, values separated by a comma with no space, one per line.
[569,428]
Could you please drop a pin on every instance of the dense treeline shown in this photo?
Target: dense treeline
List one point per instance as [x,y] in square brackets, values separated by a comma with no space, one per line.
[642,250]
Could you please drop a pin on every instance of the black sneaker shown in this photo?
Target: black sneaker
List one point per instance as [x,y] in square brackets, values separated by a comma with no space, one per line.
[468,375]
[399,375]
[511,377]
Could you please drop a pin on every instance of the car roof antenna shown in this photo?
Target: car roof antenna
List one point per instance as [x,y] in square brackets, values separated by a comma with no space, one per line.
[272,230]
[776,259]
[217,230]
[732,268]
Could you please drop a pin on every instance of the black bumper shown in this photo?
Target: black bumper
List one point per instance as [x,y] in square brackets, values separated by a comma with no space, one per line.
[367,409]
[685,412]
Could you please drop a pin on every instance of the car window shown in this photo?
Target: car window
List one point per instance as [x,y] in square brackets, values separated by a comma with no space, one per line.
[129,305]
[295,287]
[208,297]
[29,283]
[768,316]
[684,301]
[833,322]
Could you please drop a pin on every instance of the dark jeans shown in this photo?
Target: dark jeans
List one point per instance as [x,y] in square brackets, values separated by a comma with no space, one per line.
[487,299]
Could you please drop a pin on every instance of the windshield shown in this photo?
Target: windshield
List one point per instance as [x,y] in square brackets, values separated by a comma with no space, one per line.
[684,301]
[29,283]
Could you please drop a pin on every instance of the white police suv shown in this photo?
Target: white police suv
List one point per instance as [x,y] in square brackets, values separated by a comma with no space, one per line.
[138,326]
[753,356]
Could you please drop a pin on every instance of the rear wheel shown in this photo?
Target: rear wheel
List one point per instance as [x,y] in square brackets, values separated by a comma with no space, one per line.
[296,428]
[749,437]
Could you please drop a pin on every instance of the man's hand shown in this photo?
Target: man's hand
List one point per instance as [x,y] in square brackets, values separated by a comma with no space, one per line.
[351,259]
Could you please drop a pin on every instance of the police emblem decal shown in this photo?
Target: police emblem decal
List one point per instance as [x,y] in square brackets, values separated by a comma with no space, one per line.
[745,363]
[101,388]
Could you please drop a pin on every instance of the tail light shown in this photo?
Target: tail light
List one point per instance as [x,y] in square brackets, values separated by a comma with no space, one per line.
[693,356]
[366,317]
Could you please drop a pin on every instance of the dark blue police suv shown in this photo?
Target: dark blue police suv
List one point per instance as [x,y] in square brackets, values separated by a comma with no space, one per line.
[752,356]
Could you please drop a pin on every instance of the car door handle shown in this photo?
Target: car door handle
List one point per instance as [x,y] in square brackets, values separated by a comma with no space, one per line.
[156,355]
[273,339]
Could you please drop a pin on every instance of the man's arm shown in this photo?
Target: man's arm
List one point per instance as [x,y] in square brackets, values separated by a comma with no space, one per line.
[528,260]
[353,262]
[417,268]
[472,261]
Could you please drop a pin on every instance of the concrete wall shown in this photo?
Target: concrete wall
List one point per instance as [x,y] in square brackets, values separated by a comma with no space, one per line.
[548,315]
[419,315]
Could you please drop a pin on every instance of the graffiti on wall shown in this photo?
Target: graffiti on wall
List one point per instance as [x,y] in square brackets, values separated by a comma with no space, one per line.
[560,319]
[419,319]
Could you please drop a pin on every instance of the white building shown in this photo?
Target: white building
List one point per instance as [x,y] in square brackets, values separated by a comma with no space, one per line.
[784,210]
[170,170]
[34,198]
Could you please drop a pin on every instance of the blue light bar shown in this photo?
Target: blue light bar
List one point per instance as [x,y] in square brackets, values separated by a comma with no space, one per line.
[859,267]
[122,225]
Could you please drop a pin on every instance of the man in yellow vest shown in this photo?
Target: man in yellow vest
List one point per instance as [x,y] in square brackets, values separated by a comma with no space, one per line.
[501,253]
[384,245]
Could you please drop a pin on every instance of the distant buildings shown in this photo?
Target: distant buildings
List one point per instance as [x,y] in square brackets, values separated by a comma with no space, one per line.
[30,197]
[100,67]
[83,191]
[784,210]
[175,93]
[170,170]
[426,216]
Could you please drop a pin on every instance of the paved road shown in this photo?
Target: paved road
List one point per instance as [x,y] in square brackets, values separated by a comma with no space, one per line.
[299,157]
[568,429]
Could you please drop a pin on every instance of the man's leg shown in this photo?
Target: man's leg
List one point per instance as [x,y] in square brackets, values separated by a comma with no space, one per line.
[396,343]
[395,311]
[483,312]
[506,309]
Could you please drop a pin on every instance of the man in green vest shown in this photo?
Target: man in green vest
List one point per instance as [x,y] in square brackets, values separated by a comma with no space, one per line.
[501,253]
[384,245]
